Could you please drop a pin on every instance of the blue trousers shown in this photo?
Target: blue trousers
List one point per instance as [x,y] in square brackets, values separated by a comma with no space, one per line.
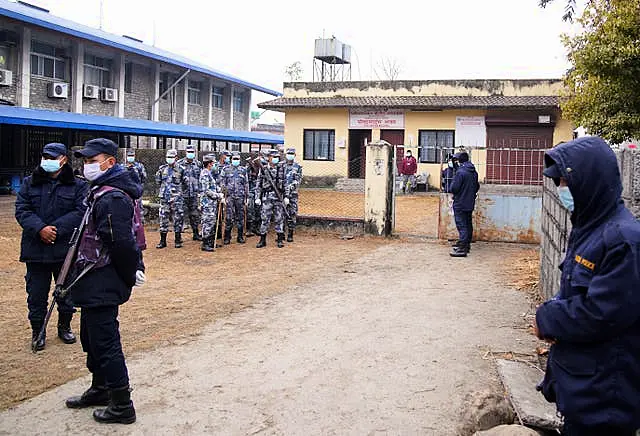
[38,280]
[571,429]
[100,338]
[464,224]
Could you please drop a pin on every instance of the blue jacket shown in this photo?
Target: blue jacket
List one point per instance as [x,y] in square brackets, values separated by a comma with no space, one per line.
[113,213]
[464,188]
[44,201]
[593,372]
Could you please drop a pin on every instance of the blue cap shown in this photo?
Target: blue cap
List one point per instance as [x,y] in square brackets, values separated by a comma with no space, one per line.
[96,146]
[55,149]
[291,151]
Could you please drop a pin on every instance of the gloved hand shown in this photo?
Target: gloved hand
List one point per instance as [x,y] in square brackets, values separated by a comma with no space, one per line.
[246,202]
[286,201]
[140,278]
[223,200]
[258,201]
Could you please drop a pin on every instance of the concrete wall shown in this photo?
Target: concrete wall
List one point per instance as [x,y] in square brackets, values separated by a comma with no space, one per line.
[99,107]
[556,223]
[502,214]
[137,103]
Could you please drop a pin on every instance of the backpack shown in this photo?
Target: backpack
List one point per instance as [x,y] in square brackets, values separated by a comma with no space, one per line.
[138,226]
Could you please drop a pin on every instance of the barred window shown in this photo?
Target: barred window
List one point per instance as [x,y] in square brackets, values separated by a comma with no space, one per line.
[97,71]
[48,61]
[217,97]
[435,145]
[319,144]
[194,91]
[238,101]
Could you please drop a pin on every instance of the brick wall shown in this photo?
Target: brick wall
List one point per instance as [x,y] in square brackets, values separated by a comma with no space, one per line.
[9,93]
[556,223]
[38,97]
[219,118]
[137,104]
[197,115]
[240,121]
[98,107]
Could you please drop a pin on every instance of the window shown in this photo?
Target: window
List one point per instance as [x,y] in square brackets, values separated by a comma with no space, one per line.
[128,77]
[217,97]
[435,145]
[194,91]
[319,144]
[48,61]
[238,100]
[234,146]
[97,71]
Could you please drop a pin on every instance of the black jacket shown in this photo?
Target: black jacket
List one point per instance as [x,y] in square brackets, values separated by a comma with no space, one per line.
[113,214]
[464,187]
[44,201]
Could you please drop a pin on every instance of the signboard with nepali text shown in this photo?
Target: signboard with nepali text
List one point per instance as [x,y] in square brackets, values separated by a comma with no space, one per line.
[471,132]
[376,120]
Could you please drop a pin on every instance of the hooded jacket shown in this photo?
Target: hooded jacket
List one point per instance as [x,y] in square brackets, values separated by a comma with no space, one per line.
[44,201]
[593,372]
[464,187]
[112,214]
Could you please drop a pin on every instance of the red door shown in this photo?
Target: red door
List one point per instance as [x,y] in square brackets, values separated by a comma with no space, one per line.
[395,137]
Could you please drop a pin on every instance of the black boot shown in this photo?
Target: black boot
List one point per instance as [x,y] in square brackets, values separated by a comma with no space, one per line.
[263,241]
[37,345]
[207,243]
[290,235]
[120,409]
[196,234]
[96,395]
[459,251]
[240,238]
[163,240]
[250,231]
[227,236]
[178,240]
[280,240]
[64,328]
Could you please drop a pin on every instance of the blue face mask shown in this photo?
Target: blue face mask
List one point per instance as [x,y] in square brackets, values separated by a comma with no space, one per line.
[291,157]
[275,160]
[227,160]
[235,162]
[450,164]
[191,155]
[131,159]
[50,165]
[566,198]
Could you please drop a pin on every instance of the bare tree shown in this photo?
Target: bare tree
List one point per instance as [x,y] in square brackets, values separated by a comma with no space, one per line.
[294,71]
[388,69]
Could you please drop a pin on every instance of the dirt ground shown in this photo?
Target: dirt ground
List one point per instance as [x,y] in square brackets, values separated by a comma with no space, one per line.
[415,214]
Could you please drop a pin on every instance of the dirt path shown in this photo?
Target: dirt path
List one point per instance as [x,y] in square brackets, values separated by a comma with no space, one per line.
[386,344]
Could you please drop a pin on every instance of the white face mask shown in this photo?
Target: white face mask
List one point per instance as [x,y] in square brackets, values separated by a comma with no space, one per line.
[131,159]
[171,160]
[92,171]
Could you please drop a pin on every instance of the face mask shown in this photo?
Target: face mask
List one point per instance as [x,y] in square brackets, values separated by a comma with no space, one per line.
[275,160]
[171,160]
[191,155]
[92,171]
[227,160]
[450,164]
[131,159]
[235,162]
[566,198]
[291,157]
[409,155]
[50,165]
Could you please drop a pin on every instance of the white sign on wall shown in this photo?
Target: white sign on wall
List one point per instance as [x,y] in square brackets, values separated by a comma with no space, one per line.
[376,120]
[471,132]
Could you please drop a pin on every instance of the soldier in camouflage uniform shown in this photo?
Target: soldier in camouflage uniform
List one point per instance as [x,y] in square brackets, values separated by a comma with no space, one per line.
[191,168]
[169,178]
[267,197]
[138,172]
[293,178]
[253,215]
[234,182]
[210,196]
[224,159]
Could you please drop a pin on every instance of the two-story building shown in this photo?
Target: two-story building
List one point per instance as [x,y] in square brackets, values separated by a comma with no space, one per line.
[63,81]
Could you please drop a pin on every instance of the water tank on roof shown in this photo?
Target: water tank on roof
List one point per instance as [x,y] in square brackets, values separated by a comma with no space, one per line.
[346,53]
[328,50]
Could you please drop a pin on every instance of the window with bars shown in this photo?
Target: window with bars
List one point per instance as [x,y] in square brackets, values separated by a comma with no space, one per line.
[217,97]
[97,71]
[238,101]
[48,61]
[319,144]
[194,92]
[434,145]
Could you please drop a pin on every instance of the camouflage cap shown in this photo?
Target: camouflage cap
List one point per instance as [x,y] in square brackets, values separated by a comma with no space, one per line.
[264,152]
[172,153]
[235,154]
[131,152]
[209,157]
[291,151]
[225,153]
[274,153]
[190,147]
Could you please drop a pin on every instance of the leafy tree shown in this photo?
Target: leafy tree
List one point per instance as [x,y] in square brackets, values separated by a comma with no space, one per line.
[603,84]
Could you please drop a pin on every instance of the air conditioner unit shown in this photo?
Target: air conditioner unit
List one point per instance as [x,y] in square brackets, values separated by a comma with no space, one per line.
[90,91]
[58,90]
[109,94]
[6,77]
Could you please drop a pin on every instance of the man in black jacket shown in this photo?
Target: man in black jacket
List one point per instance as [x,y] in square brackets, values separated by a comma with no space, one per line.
[49,207]
[109,251]
[464,188]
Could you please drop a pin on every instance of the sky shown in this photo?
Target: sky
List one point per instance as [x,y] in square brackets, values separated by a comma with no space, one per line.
[428,39]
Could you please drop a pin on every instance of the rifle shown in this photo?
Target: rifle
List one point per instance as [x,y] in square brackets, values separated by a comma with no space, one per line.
[273,185]
[60,292]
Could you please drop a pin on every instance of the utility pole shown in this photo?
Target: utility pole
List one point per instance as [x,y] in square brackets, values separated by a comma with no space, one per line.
[101,13]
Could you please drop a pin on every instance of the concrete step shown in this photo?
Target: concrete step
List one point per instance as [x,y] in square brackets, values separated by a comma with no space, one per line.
[350,185]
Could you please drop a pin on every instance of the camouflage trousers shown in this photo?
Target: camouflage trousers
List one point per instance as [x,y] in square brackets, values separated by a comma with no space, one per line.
[271,207]
[171,209]
[235,212]
[292,210]
[253,213]
[208,218]
[191,207]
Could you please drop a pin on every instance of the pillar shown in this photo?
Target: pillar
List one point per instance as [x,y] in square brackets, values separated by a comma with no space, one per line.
[229,102]
[77,76]
[24,68]
[379,198]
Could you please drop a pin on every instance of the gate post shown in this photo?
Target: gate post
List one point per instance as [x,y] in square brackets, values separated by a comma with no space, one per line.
[379,181]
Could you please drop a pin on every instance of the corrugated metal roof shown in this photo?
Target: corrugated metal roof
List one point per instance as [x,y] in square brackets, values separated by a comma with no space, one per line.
[414,102]
[68,120]
[43,19]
